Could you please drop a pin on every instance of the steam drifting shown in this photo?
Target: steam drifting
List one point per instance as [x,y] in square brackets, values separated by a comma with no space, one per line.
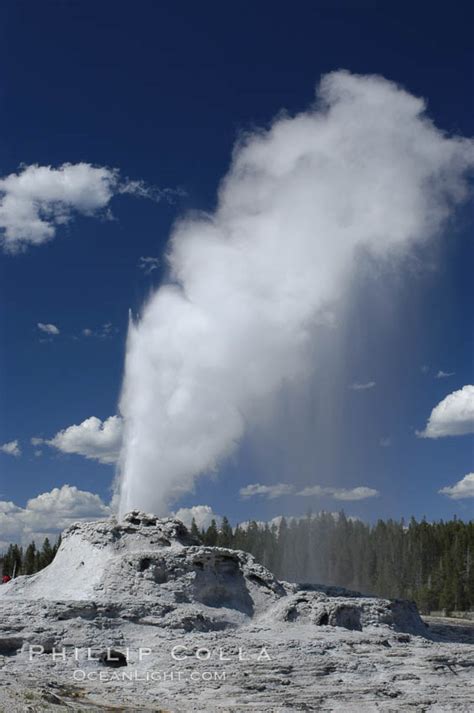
[363,167]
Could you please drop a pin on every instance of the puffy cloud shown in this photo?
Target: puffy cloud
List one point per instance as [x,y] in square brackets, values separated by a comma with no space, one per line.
[93,439]
[148,264]
[38,199]
[462,489]
[267,491]
[49,513]
[12,448]
[67,502]
[444,374]
[453,416]
[36,441]
[361,492]
[357,386]
[311,490]
[363,169]
[202,514]
[11,523]
[50,329]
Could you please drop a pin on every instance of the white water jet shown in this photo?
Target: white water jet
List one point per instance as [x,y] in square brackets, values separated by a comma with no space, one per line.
[362,168]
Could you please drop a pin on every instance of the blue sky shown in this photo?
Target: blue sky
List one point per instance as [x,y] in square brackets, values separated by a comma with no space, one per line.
[161,91]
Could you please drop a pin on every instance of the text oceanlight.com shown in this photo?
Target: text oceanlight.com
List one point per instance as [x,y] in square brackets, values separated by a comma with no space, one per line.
[145,676]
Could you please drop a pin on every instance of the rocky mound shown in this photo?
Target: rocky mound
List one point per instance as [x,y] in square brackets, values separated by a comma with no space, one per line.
[103,560]
[154,571]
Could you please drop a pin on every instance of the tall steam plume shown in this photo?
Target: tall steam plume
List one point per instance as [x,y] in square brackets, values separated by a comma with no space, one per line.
[363,167]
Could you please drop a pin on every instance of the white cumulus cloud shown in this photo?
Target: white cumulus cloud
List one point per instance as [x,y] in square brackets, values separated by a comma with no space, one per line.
[93,439]
[311,490]
[444,374]
[361,492]
[49,513]
[202,514]
[38,199]
[267,491]
[453,416]
[12,448]
[50,329]
[464,488]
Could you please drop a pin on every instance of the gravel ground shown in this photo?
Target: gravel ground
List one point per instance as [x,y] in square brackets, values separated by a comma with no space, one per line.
[332,669]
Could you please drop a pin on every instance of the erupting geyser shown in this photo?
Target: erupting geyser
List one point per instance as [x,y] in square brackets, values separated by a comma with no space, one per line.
[363,167]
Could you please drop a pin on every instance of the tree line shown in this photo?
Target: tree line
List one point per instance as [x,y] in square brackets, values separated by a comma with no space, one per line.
[18,560]
[431,563]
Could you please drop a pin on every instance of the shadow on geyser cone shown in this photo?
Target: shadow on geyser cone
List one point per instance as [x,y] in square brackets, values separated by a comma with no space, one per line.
[152,570]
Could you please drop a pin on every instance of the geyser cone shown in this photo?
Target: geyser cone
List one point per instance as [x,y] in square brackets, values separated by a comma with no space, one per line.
[153,571]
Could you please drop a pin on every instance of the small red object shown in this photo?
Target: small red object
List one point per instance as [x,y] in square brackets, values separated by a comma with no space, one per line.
[6,578]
